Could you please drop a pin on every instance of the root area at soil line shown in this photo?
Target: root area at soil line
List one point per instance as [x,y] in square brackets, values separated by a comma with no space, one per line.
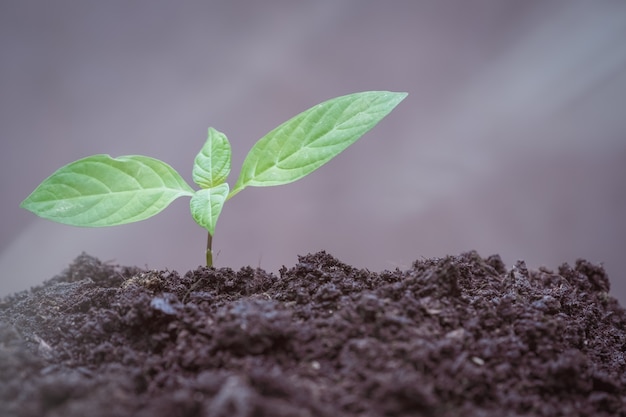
[456,336]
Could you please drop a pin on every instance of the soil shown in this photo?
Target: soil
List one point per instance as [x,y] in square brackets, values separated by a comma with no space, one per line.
[457,336]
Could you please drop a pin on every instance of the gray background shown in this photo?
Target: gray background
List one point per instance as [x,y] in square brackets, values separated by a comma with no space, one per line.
[512,140]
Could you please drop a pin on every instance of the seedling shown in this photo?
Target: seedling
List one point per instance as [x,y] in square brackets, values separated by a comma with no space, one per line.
[101,191]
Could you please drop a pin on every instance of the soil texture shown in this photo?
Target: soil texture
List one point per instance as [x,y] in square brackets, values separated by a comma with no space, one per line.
[456,336]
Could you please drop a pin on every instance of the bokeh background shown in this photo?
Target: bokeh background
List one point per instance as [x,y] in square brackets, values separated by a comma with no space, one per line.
[512,140]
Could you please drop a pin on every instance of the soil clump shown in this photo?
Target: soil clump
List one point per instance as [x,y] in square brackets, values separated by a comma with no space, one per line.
[456,336]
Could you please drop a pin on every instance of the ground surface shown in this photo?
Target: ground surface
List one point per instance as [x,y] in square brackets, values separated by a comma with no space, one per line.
[459,336]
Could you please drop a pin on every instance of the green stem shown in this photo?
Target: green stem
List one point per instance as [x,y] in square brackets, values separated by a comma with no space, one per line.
[209,250]
[234,191]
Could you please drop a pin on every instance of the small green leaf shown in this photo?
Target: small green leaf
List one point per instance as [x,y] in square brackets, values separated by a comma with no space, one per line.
[103,191]
[309,140]
[212,165]
[206,205]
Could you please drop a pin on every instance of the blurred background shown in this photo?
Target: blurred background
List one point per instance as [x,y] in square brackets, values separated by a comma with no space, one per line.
[512,140]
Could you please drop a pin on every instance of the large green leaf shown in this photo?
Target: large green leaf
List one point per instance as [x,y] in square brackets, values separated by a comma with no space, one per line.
[304,143]
[206,206]
[212,164]
[103,191]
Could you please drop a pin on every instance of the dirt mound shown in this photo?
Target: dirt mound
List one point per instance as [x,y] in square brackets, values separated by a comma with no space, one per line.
[458,336]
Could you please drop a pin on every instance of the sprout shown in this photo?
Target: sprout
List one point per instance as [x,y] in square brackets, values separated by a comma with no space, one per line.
[99,190]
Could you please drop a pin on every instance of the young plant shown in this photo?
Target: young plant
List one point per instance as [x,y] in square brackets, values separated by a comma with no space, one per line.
[101,191]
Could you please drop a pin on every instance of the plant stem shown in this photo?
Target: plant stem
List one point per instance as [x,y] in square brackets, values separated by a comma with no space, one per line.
[209,250]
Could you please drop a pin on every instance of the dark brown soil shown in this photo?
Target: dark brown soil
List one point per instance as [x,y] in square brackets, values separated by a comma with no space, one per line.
[459,336]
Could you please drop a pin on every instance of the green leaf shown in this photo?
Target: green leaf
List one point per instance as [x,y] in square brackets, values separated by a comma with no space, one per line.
[309,140]
[103,191]
[206,206]
[212,165]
